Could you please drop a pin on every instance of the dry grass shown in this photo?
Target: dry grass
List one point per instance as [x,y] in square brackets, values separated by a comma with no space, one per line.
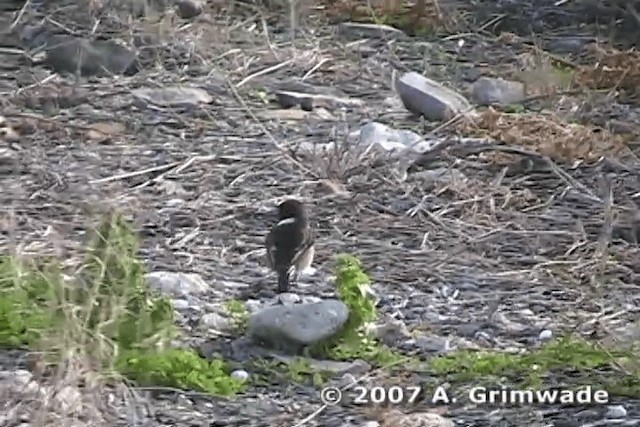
[421,16]
[546,135]
[611,69]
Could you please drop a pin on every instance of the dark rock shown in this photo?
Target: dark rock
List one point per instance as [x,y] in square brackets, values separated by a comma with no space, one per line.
[188,9]
[67,54]
[426,97]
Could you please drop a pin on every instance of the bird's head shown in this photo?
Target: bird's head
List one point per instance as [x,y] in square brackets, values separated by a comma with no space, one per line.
[291,208]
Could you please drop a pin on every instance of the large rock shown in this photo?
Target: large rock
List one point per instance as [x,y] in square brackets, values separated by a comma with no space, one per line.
[68,54]
[426,97]
[290,328]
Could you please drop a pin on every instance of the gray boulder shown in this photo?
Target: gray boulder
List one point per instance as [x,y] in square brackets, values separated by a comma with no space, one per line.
[291,328]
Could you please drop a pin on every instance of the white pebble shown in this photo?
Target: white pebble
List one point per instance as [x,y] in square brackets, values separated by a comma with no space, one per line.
[180,304]
[371,424]
[240,375]
[616,411]
[288,298]
[347,380]
[308,272]
[545,335]
[174,203]
[252,305]
[310,299]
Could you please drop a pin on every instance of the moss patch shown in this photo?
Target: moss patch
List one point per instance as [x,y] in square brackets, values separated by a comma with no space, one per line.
[179,368]
[238,313]
[568,357]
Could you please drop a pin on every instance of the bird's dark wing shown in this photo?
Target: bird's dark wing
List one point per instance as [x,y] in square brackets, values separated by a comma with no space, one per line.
[284,243]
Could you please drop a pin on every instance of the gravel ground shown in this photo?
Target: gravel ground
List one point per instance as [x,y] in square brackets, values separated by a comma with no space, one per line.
[481,256]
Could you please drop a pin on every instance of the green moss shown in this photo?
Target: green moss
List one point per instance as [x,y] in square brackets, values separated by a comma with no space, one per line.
[179,368]
[300,371]
[238,313]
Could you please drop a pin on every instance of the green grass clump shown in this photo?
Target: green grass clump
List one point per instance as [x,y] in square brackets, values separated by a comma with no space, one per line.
[353,342]
[106,314]
[533,369]
[122,307]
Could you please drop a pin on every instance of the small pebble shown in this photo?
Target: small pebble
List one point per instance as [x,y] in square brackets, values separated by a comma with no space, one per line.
[308,272]
[240,375]
[216,322]
[180,304]
[616,411]
[173,203]
[252,305]
[310,299]
[371,424]
[288,298]
[545,335]
[347,380]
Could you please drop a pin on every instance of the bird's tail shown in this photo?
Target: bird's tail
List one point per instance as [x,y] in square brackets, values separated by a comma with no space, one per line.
[283,281]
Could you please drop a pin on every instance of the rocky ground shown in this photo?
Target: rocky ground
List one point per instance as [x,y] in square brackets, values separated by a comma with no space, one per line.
[491,231]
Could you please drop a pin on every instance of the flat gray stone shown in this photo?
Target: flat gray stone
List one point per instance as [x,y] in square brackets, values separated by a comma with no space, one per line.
[423,96]
[177,285]
[309,101]
[291,328]
[216,322]
[391,331]
[488,90]
[569,45]
[431,419]
[354,30]
[173,96]
[356,367]
[433,343]
[386,138]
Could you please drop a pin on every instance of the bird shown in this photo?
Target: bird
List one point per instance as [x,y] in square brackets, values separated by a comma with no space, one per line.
[290,243]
